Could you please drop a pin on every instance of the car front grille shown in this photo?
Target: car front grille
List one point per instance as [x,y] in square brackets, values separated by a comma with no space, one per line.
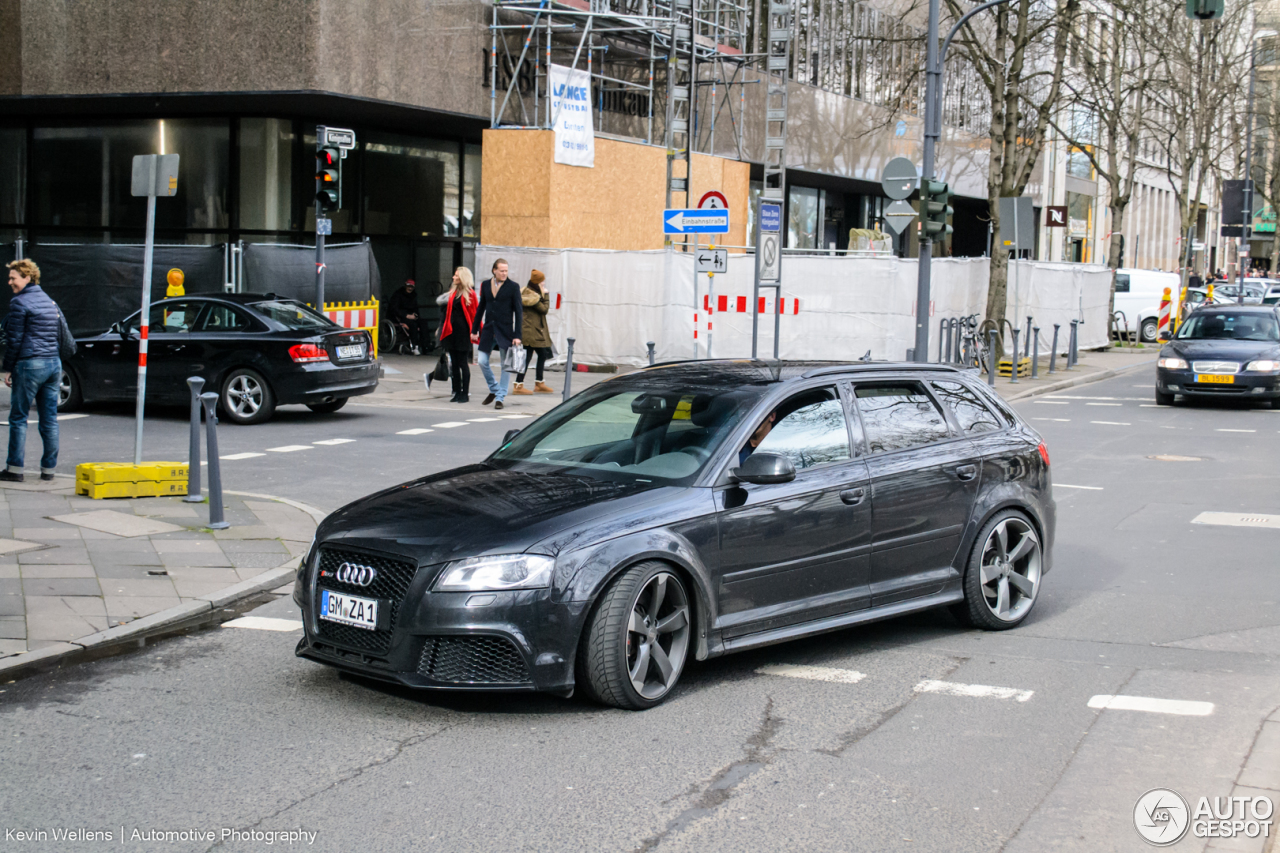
[472,660]
[390,586]
[1215,366]
[1216,388]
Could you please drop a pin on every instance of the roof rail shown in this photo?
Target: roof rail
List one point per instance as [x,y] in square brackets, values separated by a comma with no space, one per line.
[864,367]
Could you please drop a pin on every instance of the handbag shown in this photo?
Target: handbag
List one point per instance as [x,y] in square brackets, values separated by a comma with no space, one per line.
[66,340]
[443,367]
[515,360]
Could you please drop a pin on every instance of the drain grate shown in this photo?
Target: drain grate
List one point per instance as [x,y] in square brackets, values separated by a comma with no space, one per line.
[1238,519]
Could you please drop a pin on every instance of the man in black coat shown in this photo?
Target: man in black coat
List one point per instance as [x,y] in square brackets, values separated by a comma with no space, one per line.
[501,318]
[403,308]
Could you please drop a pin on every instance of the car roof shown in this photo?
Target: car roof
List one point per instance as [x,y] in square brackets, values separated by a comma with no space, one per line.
[760,372]
[1232,307]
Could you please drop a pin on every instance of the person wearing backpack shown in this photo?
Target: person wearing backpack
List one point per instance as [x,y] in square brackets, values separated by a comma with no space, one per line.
[35,338]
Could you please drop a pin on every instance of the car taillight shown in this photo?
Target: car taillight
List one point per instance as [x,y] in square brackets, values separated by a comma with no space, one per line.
[1044,454]
[307,352]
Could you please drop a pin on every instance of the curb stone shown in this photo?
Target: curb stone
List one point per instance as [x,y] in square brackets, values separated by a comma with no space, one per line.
[1076,380]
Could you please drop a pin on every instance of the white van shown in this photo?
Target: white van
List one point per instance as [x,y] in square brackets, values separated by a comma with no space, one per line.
[1138,295]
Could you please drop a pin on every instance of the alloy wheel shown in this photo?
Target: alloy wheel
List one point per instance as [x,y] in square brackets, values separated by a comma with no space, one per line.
[658,635]
[64,389]
[244,396]
[1010,569]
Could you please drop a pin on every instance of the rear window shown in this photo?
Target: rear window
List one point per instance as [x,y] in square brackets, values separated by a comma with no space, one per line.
[295,316]
[1122,283]
[895,417]
[972,416]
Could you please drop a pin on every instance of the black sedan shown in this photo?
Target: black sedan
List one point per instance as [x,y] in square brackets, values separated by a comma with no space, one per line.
[256,351]
[1223,351]
[687,510]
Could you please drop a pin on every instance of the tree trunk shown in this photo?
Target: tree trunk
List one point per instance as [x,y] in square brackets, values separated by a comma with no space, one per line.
[997,271]
[1113,252]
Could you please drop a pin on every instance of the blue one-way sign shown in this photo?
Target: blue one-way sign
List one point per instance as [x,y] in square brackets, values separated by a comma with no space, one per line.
[695,221]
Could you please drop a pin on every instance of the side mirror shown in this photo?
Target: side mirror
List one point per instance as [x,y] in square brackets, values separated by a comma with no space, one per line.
[765,469]
[511,433]
[120,330]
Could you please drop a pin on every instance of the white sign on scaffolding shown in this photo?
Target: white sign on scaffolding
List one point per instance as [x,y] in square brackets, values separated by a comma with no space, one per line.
[571,116]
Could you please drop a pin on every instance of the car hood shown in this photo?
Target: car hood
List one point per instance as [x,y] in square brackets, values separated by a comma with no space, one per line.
[1242,351]
[482,509]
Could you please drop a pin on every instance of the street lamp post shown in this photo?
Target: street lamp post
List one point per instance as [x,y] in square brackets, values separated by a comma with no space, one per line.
[1246,223]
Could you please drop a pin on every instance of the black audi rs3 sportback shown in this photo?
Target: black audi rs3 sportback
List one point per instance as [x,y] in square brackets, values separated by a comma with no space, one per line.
[686,511]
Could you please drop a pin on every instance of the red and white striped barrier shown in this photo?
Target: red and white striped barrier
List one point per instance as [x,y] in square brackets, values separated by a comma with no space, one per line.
[742,305]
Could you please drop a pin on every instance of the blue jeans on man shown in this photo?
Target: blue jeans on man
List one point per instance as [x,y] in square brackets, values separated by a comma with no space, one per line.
[498,387]
[34,380]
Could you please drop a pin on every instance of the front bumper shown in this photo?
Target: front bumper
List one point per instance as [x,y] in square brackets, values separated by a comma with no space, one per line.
[1261,386]
[519,640]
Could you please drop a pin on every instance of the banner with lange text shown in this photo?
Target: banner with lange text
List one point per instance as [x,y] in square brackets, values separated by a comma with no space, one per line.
[571,115]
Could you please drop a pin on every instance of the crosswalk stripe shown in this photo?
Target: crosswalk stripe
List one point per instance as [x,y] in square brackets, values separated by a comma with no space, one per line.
[414,431]
[450,424]
[331,442]
[953,688]
[235,456]
[1180,707]
[289,448]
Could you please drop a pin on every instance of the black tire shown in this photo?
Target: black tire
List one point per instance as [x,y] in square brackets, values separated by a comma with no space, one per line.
[977,609]
[327,408]
[246,397]
[609,654]
[1150,328]
[69,396]
[1164,398]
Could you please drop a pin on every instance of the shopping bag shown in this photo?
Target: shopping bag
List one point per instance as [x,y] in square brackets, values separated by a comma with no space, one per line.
[442,368]
[515,359]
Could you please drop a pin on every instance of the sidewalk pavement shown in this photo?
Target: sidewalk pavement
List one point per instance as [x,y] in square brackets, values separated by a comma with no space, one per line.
[1092,367]
[77,573]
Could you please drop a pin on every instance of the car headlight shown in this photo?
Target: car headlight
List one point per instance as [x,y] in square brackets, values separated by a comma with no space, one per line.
[508,571]
[1172,363]
[1263,366]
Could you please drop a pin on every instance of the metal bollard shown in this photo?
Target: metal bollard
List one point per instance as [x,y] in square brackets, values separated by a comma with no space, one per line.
[1053,350]
[1071,345]
[217,521]
[1013,361]
[195,383]
[991,357]
[1030,325]
[951,326]
[1035,352]
[942,329]
[568,371]
[651,354]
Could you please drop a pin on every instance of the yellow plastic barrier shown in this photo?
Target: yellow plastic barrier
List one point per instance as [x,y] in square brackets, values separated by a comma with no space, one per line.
[126,480]
[356,315]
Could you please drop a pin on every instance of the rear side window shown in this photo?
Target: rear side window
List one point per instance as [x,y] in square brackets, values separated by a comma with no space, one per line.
[972,416]
[1122,283]
[296,317]
[898,416]
[223,318]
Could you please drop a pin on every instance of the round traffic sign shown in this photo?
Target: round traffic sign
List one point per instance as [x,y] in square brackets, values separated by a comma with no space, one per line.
[899,178]
[713,200]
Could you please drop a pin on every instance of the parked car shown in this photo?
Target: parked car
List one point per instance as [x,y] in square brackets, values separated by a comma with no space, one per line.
[1223,351]
[1254,289]
[256,351]
[1272,296]
[687,511]
[1138,295]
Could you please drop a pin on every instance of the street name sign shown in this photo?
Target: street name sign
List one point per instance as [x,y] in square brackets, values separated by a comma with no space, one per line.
[694,221]
[770,217]
[339,137]
[898,216]
[712,260]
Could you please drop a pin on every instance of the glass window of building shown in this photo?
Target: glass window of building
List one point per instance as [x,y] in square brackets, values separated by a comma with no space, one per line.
[802,218]
[266,164]
[471,193]
[13,175]
[411,186]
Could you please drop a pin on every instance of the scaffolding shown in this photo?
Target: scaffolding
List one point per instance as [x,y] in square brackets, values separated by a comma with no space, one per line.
[662,71]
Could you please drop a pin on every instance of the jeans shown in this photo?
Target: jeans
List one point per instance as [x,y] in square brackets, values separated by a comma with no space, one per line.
[34,379]
[497,388]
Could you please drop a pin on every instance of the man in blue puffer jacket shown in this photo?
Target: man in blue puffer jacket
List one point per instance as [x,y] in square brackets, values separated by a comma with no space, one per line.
[32,368]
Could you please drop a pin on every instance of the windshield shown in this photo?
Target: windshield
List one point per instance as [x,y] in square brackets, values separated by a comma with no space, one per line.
[667,433]
[295,316]
[1227,326]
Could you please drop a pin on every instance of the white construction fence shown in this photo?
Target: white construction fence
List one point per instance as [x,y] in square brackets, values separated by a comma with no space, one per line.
[613,302]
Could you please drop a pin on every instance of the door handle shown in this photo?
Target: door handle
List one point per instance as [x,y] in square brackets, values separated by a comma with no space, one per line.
[967,472]
[853,496]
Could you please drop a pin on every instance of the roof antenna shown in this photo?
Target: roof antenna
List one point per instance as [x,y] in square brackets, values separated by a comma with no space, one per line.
[866,357]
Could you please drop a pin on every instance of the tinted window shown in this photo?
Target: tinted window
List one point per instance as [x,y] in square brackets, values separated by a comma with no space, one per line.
[295,316]
[223,318]
[174,316]
[809,429]
[1224,325]
[1122,283]
[899,416]
[972,416]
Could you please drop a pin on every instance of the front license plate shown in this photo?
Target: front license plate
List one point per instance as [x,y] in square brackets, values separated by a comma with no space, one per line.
[349,610]
[1220,378]
[352,351]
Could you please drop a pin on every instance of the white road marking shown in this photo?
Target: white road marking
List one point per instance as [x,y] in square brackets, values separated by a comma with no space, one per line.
[952,688]
[1237,519]
[391,371]
[234,456]
[1111,423]
[264,623]
[330,442]
[1058,420]
[1052,403]
[1221,429]
[1124,399]
[482,420]
[414,431]
[1066,486]
[1173,457]
[450,424]
[813,673]
[515,417]
[289,448]
[1153,406]
[1181,707]
[1104,404]
[70,417]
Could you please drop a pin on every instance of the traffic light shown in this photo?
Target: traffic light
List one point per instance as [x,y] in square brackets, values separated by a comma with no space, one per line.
[1205,10]
[934,210]
[328,183]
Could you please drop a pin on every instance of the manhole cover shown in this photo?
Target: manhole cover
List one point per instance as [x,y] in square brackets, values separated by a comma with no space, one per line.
[1169,457]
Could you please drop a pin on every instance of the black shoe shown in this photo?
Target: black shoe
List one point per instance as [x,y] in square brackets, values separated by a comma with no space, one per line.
[463,399]
[45,477]
[454,398]
[488,400]
[498,405]
[9,477]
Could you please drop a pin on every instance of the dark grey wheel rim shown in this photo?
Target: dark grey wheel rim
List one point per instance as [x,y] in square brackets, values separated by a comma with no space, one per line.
[64,389]
[244,396]
[658,636]
[1010,569]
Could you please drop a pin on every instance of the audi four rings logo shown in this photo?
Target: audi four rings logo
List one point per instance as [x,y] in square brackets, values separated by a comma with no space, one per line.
[356,574]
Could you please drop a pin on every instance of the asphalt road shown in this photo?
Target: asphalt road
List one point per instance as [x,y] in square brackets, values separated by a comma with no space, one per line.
[852,744]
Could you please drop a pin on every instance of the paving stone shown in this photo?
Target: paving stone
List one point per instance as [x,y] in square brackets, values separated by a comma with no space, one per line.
[12,605]
[112,570]
[197,589]
[17,546]
[122,546]
[40,534]
[127,608]
[1263,769]
[97,535]
[62,555]
[61,586]
[186,546]
[147,587]
[205,574]
[12,647]
[13,628]
[167,511]
[257,561]
[119,523]
[58,571]
[10,586]
[8,570]
[101,561]
[257,531]
[253,546]
[172,561]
